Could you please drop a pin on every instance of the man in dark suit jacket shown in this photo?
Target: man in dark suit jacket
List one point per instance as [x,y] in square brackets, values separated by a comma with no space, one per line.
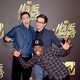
[47,36]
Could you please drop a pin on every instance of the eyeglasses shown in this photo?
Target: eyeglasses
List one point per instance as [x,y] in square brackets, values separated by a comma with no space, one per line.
[39,22]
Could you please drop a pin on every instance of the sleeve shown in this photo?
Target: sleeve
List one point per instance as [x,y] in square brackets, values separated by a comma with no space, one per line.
[55,40]
[59,51]
[25,64]
[10,34]
[56,51]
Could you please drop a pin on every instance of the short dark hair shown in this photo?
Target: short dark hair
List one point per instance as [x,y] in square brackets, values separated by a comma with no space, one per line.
[44,17]
[23,14]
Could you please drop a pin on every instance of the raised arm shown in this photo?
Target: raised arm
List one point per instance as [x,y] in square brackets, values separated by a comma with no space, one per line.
[55,40]
[24,64]
[60,51]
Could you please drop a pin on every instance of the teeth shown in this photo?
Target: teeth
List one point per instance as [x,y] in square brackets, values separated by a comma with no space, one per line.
[38,53]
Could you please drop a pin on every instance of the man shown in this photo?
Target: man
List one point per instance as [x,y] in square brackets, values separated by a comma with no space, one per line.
[21,36]
[49,60]
[47,36]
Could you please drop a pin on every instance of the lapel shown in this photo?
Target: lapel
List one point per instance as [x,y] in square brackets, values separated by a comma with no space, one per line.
[44,35]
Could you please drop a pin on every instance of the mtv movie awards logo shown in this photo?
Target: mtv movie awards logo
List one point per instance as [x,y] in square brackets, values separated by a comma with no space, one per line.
[65,29]
[30,7]
[1,71]
[1,30]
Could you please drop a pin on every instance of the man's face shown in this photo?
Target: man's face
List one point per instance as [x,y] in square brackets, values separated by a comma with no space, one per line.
[25,19]
[38,50]
[40,23]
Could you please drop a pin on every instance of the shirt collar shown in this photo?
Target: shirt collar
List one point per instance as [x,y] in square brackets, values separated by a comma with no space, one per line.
[40,31]
[23,26]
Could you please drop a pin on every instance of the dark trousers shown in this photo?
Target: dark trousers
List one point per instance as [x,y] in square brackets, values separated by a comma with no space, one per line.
[46,78]
[18,70]
[67,78]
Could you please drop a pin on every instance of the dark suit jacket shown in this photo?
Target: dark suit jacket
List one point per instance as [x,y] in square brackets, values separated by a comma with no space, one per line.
[48,38]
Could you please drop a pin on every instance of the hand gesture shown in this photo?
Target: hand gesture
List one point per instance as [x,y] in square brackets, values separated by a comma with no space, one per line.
[67,45]
[15,53]
[7,39]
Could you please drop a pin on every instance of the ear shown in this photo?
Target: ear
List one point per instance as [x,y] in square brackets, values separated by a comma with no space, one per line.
[45,24]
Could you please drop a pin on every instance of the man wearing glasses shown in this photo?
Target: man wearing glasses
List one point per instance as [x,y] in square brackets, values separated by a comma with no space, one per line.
[48,37]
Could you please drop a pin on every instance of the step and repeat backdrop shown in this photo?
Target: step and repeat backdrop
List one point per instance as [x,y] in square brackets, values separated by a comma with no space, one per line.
[64,20]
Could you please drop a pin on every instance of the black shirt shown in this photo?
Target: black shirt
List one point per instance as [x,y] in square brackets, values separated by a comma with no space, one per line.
[39,35]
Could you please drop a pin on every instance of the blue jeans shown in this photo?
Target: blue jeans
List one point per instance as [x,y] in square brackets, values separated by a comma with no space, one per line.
[39,72]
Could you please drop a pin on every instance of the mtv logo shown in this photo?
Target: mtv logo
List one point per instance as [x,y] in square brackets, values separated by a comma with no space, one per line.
[71,67]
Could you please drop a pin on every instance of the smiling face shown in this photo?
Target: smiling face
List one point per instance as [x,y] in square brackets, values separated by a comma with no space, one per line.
[40,23]
[38,50]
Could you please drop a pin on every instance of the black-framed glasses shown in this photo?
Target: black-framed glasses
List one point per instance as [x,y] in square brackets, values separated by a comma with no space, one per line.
[39,22]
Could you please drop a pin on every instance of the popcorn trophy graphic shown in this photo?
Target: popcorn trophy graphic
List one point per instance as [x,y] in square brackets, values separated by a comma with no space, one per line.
[65,30]
[31,8]
[1,30]
[1,71]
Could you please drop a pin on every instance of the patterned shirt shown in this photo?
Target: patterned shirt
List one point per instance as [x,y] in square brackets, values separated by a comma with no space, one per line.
[50,61]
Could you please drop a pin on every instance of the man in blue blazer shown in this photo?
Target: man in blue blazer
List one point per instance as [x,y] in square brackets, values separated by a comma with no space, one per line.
[21,36]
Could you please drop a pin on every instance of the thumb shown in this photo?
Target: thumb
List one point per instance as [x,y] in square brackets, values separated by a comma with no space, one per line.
[61,44]
[20,50]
